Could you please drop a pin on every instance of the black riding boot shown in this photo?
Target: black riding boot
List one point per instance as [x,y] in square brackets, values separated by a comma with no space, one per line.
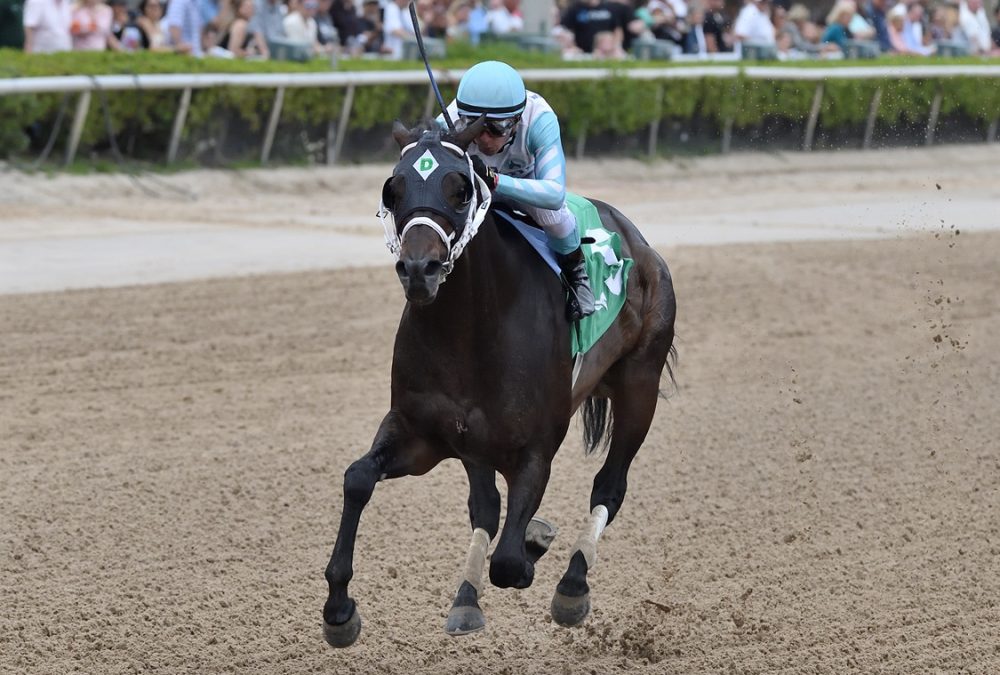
[580,300]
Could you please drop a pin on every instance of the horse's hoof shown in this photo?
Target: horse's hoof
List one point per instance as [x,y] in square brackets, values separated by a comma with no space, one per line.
[568,611]
[464,620]
[344,634]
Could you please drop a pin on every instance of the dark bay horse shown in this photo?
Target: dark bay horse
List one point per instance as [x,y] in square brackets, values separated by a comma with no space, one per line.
[482,372]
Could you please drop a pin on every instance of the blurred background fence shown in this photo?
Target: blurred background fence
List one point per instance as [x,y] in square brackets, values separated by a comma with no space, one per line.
[235,118]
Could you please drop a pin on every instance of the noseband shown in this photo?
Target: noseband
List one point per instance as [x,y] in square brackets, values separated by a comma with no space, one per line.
[475,215]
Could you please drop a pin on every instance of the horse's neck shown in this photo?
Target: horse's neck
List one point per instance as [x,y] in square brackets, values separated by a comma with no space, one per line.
[467,309]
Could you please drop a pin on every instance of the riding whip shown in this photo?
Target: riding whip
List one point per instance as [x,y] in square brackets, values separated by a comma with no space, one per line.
[427,65]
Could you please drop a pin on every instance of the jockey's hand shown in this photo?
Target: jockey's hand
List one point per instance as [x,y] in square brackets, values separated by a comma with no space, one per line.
[487,173]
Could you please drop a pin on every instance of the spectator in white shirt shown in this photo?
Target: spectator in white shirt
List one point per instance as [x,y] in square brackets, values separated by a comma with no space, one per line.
[46,26]
[753,25]
[504,17]
[397,26]
[976,26]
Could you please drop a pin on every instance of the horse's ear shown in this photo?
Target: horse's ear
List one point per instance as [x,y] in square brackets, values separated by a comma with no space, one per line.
[464,137]
[402,135]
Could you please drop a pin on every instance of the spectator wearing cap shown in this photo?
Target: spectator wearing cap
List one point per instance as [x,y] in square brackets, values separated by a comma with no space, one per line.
[976,26]
[753,25]
[185,26]
[397,27]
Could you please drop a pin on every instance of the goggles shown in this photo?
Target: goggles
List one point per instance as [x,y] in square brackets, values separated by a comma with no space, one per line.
[496,128]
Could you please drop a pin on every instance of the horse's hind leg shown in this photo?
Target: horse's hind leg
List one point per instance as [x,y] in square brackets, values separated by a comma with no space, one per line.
[394,453]
[635,389]
[484,512]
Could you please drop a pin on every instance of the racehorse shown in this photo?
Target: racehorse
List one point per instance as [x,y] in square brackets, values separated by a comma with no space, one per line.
[482,371]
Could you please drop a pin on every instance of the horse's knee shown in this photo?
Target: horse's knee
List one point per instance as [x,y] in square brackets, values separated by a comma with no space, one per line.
[359,482]
[511,572]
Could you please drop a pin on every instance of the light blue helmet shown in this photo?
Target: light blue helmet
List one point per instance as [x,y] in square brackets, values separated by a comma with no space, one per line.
[493,88]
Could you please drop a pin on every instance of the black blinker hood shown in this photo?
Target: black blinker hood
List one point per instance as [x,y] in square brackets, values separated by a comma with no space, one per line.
[424,167]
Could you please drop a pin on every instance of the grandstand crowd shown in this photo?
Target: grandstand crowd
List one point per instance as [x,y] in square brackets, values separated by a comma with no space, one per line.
[577,29]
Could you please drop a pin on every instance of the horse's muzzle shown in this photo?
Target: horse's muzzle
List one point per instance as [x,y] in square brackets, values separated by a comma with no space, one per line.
[420,279]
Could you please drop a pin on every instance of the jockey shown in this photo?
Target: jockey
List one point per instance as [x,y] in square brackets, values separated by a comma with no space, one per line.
[520,155]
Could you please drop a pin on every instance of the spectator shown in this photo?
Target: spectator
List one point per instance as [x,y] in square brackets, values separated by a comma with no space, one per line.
[694,40]
[796,28]
[996,33]
[861,27]
[374,34]
[504,16]
[123,27]
[91,27]
[605,46]
[300,24]
[210,12]
[753,25]
[46,26]
[150,23]
[716,27]
[897,27]
[238,39]
[328,37]
[913,31]
[665,23]
[268,22]
[876,14]
[837,25]
[944,25]
[628,21]
[585,19]
[976,26]
[397,27]
[458,20]
[185,27]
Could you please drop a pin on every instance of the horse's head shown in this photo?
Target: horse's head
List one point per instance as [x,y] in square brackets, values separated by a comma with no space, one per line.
[433,186]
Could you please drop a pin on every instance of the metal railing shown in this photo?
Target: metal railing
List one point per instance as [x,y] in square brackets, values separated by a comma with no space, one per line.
[85,85]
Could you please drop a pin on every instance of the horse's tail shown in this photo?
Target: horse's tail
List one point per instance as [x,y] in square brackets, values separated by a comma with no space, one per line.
[597,424]
[669,366]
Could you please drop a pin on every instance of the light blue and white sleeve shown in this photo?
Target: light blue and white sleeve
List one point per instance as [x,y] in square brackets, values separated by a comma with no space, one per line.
[547,190]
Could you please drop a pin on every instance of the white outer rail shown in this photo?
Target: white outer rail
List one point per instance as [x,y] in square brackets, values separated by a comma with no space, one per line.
[87,84]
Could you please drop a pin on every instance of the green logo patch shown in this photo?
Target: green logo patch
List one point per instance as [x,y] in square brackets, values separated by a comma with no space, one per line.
[425,165]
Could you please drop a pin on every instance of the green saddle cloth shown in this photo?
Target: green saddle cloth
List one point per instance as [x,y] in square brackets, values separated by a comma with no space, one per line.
[608,273]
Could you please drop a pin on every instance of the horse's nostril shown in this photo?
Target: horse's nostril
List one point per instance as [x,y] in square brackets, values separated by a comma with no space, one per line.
[401,268]
[432,268]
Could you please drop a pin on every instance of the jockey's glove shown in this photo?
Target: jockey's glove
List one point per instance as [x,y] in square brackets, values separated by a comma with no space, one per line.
[487,173]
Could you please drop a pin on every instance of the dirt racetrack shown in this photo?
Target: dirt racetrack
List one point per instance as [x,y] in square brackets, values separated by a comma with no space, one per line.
[822,495]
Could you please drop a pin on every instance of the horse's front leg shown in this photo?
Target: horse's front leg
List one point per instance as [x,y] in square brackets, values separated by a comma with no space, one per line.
[510,565]
[394,453]
[484,512]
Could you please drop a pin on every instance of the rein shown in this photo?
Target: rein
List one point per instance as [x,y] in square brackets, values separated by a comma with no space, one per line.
[478,208]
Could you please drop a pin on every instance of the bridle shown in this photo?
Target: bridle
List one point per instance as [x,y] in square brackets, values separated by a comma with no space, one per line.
[479,205]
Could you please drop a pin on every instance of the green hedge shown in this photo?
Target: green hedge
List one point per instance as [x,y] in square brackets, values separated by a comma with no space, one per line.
[615,106]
